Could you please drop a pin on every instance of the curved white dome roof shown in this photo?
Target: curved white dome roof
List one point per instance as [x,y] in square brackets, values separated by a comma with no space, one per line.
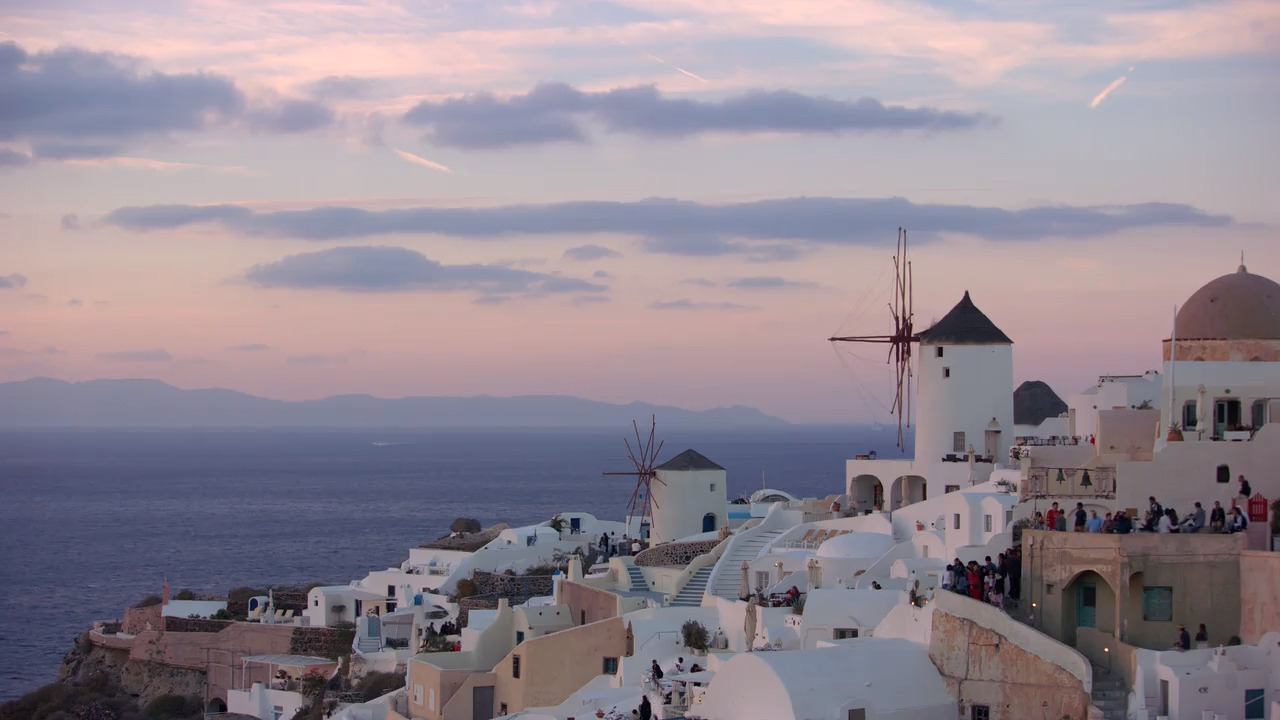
[856,545]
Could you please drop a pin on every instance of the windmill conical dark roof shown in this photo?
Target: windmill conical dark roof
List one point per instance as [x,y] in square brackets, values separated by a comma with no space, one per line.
[965,325]
[689,460]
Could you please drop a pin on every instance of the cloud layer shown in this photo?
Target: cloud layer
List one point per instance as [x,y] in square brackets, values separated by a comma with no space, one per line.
[395,269]
[13,281]
[679,227]
[590,252]
[555,112]
[156,355]
[74,103]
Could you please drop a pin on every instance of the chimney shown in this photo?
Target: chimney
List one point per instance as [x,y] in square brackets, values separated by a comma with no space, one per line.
[164,592]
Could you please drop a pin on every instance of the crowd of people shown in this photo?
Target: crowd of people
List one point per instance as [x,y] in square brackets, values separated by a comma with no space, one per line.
[998,581]
[1158,519]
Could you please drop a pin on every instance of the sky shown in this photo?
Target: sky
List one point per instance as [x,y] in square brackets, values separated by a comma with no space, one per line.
[661,200]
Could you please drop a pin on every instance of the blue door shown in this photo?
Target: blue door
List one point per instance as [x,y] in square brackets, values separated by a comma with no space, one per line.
[709,522]
[1087,605]
[1253,707]
[575,525]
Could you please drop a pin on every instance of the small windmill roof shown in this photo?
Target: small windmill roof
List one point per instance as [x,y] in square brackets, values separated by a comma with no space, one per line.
[965,324]
[689,460]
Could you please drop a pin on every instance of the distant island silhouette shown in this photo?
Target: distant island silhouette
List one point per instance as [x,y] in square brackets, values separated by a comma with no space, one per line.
[47,402]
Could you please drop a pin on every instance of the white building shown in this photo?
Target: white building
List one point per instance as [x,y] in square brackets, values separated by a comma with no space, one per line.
[1229,682]
[688,498]
[1112,392]
[1219,385]
[963,411]
[867,679]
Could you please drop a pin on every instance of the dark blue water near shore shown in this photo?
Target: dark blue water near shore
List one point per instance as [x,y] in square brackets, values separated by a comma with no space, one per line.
[93,520]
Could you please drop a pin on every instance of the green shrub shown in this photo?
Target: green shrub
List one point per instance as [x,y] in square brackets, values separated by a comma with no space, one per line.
[222,615]
[694,635]
[466,588]
[185,594]
[377,684]
[148,601]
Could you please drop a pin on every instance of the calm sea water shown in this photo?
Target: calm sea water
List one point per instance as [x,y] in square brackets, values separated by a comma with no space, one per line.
[93,520]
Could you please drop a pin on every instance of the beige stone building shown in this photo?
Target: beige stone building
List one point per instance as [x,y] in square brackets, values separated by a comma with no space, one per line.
[1137,587]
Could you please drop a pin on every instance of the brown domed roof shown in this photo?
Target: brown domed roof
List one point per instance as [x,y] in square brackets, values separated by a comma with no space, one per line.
[1239,306]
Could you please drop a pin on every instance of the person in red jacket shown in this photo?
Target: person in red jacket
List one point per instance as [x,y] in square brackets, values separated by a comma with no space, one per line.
[974,582]
[1051,517]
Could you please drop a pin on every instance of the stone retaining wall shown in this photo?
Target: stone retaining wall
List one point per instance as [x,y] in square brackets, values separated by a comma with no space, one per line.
[511,586]
[321,642]
[675,554]
[178,624]
[476,602]
[141,619]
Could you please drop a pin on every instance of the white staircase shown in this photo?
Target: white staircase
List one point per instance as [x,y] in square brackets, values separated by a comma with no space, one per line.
[691,594]
[638,583]
[727,578]
[366,644]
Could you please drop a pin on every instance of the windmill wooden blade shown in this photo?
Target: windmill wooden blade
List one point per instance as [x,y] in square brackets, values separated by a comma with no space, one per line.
[903,334]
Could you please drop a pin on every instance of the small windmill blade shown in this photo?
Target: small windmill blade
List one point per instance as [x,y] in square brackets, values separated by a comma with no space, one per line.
[643,456]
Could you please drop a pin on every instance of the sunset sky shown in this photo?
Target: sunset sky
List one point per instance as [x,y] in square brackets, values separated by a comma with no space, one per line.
[660,200]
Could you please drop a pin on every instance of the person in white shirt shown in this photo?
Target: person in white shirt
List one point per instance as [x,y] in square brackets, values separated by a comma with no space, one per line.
[1164,525]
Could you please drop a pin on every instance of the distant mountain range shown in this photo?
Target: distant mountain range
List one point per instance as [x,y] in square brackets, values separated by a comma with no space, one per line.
[46,402]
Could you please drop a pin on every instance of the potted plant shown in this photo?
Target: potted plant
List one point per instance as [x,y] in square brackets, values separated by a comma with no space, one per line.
[694,635]
[1175,433]
[919,526]
[797,607]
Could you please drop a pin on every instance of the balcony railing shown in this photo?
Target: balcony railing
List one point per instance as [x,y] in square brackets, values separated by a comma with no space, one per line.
[1069,482]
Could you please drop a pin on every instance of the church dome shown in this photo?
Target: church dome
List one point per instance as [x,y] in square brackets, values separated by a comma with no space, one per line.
[1239,306]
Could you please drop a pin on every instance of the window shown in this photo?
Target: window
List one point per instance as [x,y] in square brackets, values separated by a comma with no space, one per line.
[762,578]
[957,442]
[1258,414]
[277,712]
[860,713]
[951,489]
[502,709]
[515,667]
[1157,604]
[713,487]
[431,699]
[986,523]
[519,636]
[611,666]
[1189,414]
[582,617]
[938,352]
[955,521]
[844,633]
[391,591]
[315,602]
[417,694]
[1008,518]
[1254,706]
[946,372]
[1224,473]
[979,712]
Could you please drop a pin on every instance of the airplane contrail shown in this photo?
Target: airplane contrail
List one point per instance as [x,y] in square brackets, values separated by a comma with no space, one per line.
[677,68]
[1097,100]
[416,160]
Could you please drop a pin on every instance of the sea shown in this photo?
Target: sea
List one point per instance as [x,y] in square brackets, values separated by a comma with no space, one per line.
[93,520]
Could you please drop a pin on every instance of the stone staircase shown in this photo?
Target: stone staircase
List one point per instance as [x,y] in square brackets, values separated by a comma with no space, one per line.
[638,583]
[366,644]
[744,549]
[691,594]
[1110,695]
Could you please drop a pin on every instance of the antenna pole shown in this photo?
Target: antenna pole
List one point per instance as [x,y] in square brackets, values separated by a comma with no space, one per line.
[1173,355]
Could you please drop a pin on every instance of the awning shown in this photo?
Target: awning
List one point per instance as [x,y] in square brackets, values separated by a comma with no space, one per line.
[290,660]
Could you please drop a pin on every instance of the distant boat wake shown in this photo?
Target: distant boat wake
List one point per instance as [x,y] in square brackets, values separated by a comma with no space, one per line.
[386,444]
